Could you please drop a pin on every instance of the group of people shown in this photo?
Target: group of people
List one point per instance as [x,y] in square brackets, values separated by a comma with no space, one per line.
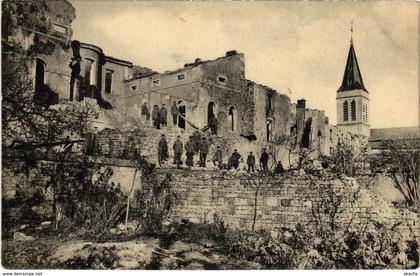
[250,161]
[235,158]
[194,145]
[200,145]
[160,114]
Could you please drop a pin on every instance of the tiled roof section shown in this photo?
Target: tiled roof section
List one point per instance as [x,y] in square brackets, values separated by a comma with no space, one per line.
[382,134]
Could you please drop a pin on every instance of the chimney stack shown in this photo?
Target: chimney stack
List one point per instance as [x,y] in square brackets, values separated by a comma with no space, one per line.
[301,103]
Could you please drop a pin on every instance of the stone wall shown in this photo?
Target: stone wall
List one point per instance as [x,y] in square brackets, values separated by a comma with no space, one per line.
[121,70]
[57,76]
[122,144]
[282,202]
[90,65]
[314,131]
[197,85]
[317,128]
[230,94]
[41,30]
[270,106]
[19,180]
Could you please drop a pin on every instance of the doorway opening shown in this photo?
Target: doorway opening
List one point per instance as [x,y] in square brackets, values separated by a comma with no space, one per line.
[182,114]
[210,111]
[39,76]
[232,118]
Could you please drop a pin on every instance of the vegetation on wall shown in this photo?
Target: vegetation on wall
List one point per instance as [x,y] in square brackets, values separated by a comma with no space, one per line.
[28,121]
[28,14]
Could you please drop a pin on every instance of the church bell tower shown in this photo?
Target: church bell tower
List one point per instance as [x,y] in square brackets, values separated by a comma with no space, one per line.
[353,98]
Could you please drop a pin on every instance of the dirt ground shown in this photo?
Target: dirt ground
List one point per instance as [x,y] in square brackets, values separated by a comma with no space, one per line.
[61,252]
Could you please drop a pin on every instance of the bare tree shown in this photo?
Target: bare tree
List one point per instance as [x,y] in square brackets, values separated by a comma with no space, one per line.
[399,160]
[31,125]
[256,182]
[329,205]
[281,141]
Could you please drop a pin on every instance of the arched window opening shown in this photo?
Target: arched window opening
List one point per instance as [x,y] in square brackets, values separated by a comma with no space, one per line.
[88,68]
[210,111]
[319,139]
[43,94]
[345,111]
[232,119]
[307,134]
[39,75]
[331,135]
[182,114]
[108,82]
[353,110]
[93,75]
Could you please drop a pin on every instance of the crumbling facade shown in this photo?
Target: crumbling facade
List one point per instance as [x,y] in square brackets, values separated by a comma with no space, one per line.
[72,70]
[214,88]
[200,90]
[102,75]
[37,35]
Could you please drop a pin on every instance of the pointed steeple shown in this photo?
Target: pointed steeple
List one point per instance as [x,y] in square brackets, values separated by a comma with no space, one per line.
[352,78]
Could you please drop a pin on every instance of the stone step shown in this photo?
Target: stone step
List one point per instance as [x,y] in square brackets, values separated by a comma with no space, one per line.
[147,142]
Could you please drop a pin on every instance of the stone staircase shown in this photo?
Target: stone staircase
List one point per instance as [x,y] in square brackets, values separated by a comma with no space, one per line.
[132,134]
[228,144]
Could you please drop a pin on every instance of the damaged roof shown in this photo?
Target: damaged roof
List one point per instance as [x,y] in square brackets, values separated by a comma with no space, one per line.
[196,63]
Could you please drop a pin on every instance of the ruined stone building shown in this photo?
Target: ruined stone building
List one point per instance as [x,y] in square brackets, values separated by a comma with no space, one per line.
[71,71]
[214,88]
[39,34]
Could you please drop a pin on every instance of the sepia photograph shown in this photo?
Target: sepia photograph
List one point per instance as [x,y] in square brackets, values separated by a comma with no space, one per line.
[209,135]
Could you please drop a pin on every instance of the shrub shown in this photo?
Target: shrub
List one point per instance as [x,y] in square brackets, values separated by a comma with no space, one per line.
[380,247]
[259,247]
[82,195]
[152,202]
[197,232]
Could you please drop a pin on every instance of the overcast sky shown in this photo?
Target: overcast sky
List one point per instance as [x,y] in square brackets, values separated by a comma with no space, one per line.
[297,48]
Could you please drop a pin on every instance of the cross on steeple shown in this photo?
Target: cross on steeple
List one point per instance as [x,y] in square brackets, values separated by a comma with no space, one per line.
[351,30]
